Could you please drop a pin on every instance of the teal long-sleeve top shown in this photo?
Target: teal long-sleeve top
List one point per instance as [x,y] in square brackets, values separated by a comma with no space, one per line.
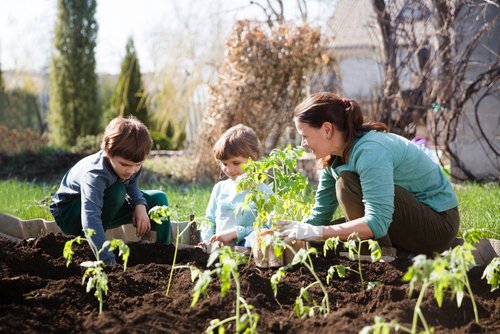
[224,211]
[383,160]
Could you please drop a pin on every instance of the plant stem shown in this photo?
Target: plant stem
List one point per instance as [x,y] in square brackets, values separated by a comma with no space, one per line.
[220,323]
[310,268]
[237,283]
[359,267]
[418,313]
[247,309]
[175,254]
[467,284]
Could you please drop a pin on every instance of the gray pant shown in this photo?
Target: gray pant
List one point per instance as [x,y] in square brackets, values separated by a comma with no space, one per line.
[415,227]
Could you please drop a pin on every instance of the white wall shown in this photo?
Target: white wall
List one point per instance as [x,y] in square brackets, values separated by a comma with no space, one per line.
[360,77]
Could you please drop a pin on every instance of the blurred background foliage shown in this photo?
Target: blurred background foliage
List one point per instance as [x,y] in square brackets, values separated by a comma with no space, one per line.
[261,68]
[208,78]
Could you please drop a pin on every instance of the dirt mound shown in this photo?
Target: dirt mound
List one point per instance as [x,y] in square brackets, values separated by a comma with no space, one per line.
[38,293]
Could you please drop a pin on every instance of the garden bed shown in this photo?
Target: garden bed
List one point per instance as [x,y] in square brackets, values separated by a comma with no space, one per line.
[38,293]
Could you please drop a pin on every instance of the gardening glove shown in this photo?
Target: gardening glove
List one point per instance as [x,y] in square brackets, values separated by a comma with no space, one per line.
[291,230]
[280,224]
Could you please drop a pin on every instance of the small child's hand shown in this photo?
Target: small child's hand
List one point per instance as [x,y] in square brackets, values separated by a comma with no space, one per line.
[225,237]
[216,244]
[140,220]
[203,246]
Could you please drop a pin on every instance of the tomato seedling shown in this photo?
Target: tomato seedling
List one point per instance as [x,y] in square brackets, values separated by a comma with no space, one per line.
[446,271]
[94,274]
[353,245]
[157,213]
[226,270]
[303,257]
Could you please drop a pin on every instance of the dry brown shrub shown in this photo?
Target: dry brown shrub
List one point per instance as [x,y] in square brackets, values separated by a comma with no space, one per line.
[15,141]
[263,77]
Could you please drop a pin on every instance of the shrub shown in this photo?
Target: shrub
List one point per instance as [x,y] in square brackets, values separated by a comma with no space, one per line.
[16,141]
[160,141]
[262,79]
[87,144]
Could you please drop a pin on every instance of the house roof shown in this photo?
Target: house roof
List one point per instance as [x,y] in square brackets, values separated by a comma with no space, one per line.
[354,25]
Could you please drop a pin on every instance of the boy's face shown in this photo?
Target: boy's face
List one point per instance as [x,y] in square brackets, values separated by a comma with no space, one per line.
[124,168]
[232,166]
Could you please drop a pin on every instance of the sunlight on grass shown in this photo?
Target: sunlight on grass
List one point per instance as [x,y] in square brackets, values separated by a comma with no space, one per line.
[479,204]
[31,200]
[26,200]
[184,199]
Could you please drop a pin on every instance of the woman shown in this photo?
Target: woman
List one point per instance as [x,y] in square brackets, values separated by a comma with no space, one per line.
[386,186]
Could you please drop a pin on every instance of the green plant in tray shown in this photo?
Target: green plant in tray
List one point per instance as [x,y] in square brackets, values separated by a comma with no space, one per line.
[288,200]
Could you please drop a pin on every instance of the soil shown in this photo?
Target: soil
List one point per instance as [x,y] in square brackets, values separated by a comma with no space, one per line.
[39,294]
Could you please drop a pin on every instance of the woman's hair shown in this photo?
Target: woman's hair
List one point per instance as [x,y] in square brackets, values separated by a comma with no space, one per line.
[238,141]
[343,113]
[128,138]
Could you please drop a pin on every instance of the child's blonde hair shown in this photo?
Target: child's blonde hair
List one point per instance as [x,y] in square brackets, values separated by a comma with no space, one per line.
[128,138]
[238,141]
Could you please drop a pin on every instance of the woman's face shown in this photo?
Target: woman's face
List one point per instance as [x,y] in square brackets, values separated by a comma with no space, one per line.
[321,141]
[232,166]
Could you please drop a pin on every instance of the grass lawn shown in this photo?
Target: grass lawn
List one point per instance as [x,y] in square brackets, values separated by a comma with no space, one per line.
[479,204]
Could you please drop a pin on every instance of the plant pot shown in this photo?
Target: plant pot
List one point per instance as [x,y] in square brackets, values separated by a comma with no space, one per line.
[268,259]
[296,245]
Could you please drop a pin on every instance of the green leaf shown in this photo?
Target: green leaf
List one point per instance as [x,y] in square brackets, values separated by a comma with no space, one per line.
[157,213]
[331,243]
[375,250]
[474,235]
[276,279]
[299,257]
[492,273]
[195,273]
[200,288]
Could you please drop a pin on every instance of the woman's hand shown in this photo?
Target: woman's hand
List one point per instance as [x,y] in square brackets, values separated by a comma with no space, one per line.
[291,230]
[140,220]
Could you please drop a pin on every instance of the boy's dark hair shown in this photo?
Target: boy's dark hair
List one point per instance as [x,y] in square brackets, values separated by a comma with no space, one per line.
[128,138]
[238,141]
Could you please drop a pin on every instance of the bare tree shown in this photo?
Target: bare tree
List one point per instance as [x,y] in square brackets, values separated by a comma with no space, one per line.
[433,46]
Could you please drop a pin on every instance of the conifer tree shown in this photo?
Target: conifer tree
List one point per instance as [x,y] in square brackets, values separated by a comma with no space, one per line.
[129,97]
[73,105]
